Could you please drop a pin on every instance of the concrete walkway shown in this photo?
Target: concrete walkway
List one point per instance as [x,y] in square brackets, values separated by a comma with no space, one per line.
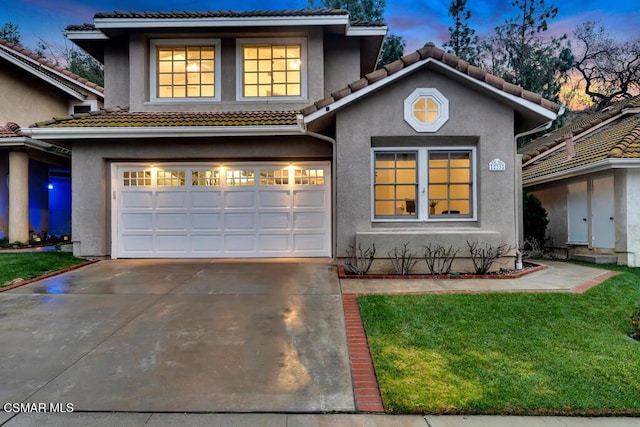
[557,277]
[305,420]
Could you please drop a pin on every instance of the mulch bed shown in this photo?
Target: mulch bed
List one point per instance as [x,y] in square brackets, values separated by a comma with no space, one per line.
[527,268]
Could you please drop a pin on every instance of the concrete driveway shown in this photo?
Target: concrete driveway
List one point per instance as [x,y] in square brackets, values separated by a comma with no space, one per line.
[178,335]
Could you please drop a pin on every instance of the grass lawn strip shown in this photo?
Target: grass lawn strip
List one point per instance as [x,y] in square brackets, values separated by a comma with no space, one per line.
[508,353]
[28,265]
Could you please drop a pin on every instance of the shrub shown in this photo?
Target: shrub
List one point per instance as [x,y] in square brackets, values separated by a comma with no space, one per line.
[403,261]
[439,259]
[483,258]
[359,261]
[535,221]
[635,323]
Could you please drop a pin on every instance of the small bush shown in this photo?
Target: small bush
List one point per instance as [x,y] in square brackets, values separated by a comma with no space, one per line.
[635,323]
[535,221]
[359,261]
[403,261]
[483,258]
[439,259]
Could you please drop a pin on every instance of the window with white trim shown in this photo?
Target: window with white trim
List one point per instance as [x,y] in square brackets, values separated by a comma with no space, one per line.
[184,70]
[426,110]
[271,68]
[424,184]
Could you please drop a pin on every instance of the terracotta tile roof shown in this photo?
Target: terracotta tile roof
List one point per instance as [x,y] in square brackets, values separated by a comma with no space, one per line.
[580,125]
[430,51]
[223,14]
[10,130]
[220,14]
[40,64]
[619,140]
[120,117]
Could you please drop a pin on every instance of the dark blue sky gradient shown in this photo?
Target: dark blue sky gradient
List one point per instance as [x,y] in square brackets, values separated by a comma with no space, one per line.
[416,21]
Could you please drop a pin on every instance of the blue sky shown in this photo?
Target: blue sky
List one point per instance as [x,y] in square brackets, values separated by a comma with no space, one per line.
[417,22]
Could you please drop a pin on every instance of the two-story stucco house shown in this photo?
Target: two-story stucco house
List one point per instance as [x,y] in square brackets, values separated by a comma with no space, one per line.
[35,183]
[269,134]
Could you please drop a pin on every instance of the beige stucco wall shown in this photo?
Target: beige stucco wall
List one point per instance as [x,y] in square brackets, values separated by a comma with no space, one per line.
[329,67]
[472,117]
[26,101]
[91,165]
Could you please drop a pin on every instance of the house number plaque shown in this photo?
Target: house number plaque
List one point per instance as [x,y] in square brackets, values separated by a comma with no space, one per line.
[497,165]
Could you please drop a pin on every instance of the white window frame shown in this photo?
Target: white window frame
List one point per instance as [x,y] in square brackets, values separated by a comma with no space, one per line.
[422,199]
[304,67]
[439,99]
[153,68]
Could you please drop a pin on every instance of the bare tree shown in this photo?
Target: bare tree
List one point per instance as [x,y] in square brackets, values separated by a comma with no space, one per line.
[610,69]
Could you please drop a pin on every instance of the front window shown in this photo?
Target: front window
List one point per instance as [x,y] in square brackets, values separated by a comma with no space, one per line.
[184,70]
[395,183]
[272,70]
[450,182]
[423,184]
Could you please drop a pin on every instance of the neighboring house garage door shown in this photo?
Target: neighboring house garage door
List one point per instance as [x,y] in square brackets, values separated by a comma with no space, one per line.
[234,210]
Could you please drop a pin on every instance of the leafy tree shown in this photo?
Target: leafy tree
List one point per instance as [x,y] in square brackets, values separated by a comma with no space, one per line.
[610,69]
[84,65]
[520,54]
[392,49]
[368,10]
[10,32]
[73,59]
[462,40]
[359,10]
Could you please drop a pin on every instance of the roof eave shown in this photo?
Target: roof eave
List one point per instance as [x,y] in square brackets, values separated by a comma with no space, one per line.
[212,22]
[21,141]
[43,76]
[544,114]
[367,31]
[74,35]
[67,133]
[599,166]
[75,94]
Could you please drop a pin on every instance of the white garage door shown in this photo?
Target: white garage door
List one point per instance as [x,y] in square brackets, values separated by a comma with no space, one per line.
[235,210]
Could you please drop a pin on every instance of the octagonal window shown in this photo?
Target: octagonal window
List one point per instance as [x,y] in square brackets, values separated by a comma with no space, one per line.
[426,110]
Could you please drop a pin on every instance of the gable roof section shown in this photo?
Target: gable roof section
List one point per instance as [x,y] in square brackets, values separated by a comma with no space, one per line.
[114,123]
[579,126]
[618,143]
[47,71]
[415,60]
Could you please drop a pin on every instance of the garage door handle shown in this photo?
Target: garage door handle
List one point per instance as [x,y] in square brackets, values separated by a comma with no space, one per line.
[584,219]
[611,218]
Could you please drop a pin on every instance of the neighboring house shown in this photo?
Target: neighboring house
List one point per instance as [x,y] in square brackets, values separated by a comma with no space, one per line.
[35,183]
[211,144]
[587,175]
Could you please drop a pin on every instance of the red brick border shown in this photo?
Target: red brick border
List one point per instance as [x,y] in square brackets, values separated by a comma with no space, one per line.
[365,382]
[46,276]
[593,282]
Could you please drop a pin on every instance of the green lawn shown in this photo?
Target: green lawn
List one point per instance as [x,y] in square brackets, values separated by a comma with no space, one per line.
[508,353]
[33,264]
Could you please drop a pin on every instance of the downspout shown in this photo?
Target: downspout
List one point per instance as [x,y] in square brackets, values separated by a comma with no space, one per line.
[334,229]
[518,185]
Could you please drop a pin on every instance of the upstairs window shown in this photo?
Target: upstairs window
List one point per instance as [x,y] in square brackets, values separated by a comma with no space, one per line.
[272,70]
[184,70]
